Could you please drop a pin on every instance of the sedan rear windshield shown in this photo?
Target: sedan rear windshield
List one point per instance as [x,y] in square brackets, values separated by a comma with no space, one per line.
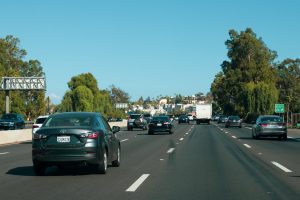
[40,120]
[135,116]
[160,119]
[272,119]
[9,116]
[70,120]
[234,118]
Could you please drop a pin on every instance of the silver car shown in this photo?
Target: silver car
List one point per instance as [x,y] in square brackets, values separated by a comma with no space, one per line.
[269,126]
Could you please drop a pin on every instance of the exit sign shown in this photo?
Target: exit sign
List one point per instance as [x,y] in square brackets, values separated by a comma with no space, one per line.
[279,108]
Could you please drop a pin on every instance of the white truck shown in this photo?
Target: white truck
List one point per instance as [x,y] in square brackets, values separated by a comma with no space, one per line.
[203,113]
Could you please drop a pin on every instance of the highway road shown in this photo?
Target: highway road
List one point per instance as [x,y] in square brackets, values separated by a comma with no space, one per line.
[196,162]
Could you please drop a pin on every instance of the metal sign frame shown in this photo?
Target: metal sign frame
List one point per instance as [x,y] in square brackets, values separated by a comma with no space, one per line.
[20,83]
[23,83]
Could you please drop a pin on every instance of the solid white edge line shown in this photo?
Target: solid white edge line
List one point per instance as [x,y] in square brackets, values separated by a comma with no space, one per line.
[170,150]
[283,168]
[124,140]
[137,183]
[248,146]
[4,153]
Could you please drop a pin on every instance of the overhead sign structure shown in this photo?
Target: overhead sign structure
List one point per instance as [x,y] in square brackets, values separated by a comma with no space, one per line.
[279,108]
[20,83]
[23,83]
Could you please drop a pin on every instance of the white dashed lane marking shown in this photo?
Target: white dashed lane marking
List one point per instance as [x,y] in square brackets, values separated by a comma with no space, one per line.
[248,146]
[4,153]
[283,168]
[233,137]
[171,150]
[181,139]
[124,140]
[137,183]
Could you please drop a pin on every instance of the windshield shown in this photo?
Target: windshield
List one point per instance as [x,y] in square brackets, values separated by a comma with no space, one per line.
[165,118]
[271,119]
[9,116]
[69,120]
[135,116]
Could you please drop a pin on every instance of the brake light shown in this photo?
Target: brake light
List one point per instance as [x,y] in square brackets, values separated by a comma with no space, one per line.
[166,123]
[263,124]
[93,135]
[35,126]
[38,136]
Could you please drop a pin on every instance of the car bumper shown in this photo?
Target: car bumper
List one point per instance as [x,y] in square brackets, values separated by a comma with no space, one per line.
[53,157]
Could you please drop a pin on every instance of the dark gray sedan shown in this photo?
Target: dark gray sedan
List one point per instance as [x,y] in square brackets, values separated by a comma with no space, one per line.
[75,138]
[269,126]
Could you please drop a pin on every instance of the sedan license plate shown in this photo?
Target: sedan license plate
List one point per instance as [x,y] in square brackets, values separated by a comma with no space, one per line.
[159,124]
[63,139]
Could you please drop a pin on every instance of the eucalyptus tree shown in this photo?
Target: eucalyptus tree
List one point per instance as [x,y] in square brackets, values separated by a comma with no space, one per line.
[247,82]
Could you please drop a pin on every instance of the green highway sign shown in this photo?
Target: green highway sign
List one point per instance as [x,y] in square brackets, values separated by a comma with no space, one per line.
[279,108]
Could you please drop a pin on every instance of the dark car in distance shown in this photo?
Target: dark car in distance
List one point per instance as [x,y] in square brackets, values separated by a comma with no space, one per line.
[233,121]
[160,124]
[222,119]
[269,126]
[183,119]
[76,139]
[12,121]
[136,121]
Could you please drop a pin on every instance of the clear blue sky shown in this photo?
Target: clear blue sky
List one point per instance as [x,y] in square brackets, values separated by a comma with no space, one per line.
[145,47]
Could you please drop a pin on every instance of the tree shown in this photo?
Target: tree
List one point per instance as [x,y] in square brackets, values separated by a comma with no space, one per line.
[84,95]
[29,103]
[118,95]
[83,99]
[288,83]
[247,81]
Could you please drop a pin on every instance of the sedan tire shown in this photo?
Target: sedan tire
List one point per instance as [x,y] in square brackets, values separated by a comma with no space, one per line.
[101,168]
[117,162]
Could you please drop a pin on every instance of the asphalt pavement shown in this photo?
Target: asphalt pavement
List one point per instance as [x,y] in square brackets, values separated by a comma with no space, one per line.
[196,162]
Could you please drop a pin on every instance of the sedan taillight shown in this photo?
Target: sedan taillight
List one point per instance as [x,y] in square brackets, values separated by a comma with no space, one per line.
[93,135]
[35,126]
[262,124]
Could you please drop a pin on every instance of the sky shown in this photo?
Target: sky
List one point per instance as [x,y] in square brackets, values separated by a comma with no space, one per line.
[145,47]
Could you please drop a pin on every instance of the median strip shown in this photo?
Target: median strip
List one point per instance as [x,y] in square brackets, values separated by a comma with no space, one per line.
[283,168]
[137,183]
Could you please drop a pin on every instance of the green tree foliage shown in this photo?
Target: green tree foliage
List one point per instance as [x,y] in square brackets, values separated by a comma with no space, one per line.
[288,83]
[247,82]
[29,103]
[118,95]
[84,95]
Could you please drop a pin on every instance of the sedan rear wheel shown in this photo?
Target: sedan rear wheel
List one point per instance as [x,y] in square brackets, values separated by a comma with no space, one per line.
[117,162]
[102,166]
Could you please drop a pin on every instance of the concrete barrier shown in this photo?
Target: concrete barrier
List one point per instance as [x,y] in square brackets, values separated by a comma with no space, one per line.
[23,135]
[15,136]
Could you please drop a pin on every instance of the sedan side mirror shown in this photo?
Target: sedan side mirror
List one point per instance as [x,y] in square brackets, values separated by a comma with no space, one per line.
[115,129]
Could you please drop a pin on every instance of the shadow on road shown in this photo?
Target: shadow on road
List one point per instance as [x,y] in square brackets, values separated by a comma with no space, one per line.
[270,139]
[52,171]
